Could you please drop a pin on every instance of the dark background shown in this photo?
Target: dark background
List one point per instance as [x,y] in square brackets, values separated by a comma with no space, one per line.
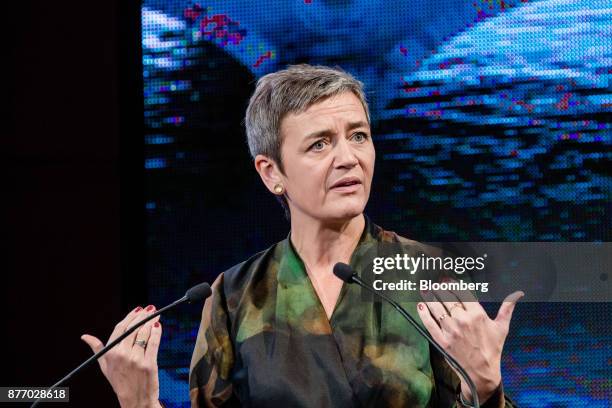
[73,158]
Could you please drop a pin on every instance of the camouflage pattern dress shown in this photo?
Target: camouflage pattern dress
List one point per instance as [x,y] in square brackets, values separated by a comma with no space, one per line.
[265,341]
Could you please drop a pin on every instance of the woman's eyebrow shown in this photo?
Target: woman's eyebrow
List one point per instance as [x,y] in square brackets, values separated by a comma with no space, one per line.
[358,124]
[330,132]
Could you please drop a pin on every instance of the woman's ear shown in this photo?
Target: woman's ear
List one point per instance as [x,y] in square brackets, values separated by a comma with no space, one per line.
[269,172]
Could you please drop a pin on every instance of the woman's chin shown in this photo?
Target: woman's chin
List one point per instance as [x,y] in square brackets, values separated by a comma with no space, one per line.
[347,212]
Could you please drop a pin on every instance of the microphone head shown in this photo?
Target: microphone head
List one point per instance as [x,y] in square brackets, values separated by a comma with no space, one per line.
[344,272]
[198,292]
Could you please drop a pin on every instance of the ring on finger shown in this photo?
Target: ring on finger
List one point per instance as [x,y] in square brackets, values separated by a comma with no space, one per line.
[442,317]
[141,343]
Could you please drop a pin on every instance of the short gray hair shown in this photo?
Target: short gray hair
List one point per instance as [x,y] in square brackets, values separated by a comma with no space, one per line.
[292,90]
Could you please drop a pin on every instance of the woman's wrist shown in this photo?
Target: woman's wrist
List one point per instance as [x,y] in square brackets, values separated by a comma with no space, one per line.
[152,404]
[132,404]
[485,391]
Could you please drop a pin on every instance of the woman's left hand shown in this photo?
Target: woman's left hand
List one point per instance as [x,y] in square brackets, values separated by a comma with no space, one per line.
[464,330]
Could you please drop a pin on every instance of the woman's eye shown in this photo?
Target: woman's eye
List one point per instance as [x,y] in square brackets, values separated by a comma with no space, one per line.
[320,145]
[360,137]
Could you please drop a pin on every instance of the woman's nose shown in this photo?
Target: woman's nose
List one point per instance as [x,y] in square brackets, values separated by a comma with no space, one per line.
[345,156]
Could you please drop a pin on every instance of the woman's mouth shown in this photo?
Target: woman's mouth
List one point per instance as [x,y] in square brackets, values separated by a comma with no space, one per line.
[347,185]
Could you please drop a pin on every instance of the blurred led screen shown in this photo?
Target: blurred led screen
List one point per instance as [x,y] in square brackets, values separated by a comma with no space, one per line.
[491,121]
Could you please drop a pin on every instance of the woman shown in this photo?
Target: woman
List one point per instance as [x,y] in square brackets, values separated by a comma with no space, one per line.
[280,329]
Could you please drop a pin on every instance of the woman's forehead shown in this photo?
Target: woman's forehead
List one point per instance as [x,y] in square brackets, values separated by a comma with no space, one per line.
[346,102]
[343,109]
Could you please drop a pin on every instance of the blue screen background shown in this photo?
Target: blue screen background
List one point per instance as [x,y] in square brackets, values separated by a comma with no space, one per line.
[491,121]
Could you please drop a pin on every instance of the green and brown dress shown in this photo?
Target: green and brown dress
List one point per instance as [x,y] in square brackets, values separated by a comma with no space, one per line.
[265,341]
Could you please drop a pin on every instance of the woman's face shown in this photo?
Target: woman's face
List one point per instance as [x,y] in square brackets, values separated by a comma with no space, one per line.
[328,158]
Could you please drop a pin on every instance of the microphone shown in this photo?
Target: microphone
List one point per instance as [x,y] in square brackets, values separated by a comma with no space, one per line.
[195,294]
[345,272]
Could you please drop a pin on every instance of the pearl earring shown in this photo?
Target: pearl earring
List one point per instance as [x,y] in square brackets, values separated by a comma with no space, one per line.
[278,189]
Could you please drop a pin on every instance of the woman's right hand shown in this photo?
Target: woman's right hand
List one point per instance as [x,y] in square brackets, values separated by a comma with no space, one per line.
[131,368]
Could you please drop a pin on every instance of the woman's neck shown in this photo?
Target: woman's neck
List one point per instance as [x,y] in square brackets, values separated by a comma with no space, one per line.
[322,244]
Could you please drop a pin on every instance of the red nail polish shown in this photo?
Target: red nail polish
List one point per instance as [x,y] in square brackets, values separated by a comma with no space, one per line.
[138,309]
[149,308]
[156,324]
[420,306]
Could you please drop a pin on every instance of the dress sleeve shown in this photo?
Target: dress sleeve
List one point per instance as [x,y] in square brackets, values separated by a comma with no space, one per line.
[448,386]
[213,356]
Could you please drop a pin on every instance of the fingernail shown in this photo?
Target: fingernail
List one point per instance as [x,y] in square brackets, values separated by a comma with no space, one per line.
[138,309]
[156,324]
[149,308]
[420,306]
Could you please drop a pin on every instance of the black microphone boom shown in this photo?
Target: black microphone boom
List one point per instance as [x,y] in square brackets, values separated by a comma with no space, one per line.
[195,294]
[345,272]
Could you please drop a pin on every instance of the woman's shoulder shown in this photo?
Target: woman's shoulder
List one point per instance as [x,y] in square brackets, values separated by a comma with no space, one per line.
[240,276]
